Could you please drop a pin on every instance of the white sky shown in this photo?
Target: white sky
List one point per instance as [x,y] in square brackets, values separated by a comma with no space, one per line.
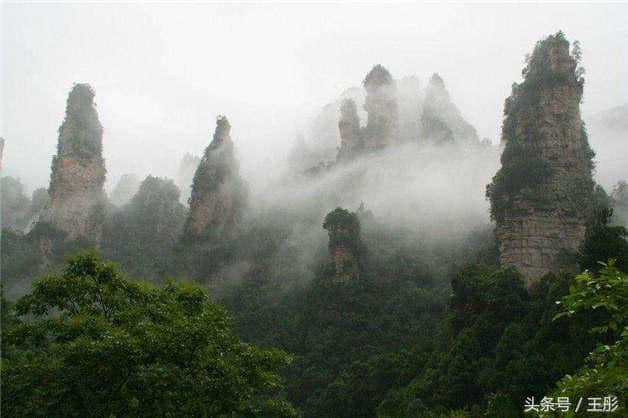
[162,72]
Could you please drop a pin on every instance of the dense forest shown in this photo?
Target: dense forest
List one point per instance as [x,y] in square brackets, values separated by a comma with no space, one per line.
[331,292]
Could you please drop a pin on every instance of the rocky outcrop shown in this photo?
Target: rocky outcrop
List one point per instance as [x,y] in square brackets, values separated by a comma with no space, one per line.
[343,228]
[381,105]
[542,195]
[382,127]
[441,121]
[76,195]
[218,193]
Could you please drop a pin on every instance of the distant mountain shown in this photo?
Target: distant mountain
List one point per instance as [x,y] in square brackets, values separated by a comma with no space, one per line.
[615,118]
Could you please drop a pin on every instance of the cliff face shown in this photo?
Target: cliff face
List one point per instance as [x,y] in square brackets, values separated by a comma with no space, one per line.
[343,228]
[76,203]
[542,195]
[441,121]
[218,193]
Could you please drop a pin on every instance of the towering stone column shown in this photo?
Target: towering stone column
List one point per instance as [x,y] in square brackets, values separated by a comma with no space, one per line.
[441,121]
[351,143]
[218,192]
[344,243]
[542,195]
[381,106]
[77,200]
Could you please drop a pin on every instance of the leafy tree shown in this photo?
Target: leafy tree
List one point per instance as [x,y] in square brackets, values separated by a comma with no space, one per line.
[604,241]
[606,368]
[88,342]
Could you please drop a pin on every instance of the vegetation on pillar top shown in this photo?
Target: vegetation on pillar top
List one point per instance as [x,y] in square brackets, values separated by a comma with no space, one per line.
[343,227]
[80,135]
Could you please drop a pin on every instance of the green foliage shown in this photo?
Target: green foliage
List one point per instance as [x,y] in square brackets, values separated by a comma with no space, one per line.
[90,343]
[606,368]
[80,135]
[502,347]
[603,241]
[141,236]
[343,227]
[355,340]
[21,260]
[608,290]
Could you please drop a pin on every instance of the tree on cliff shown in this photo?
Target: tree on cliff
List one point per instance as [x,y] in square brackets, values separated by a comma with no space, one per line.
[89,342]
[606,366]
[345,247]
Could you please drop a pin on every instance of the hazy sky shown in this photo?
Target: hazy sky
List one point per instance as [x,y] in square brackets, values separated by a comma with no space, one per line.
[162,72]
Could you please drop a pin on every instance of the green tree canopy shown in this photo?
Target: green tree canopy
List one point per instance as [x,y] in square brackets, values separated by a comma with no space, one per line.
[88,342]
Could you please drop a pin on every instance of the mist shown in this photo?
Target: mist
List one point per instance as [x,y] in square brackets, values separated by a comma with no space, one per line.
[162,73]
[312,209]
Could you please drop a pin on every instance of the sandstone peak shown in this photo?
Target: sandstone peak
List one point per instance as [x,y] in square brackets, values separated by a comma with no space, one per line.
[218,193]
[377,77]
[437,81]
[542,195]
[76,203]
[343,228]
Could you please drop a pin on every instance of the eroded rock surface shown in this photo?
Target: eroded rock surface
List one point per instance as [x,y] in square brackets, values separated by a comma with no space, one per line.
[542,195]
[218,193]
[343,228]
[76,196]
[441,121]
